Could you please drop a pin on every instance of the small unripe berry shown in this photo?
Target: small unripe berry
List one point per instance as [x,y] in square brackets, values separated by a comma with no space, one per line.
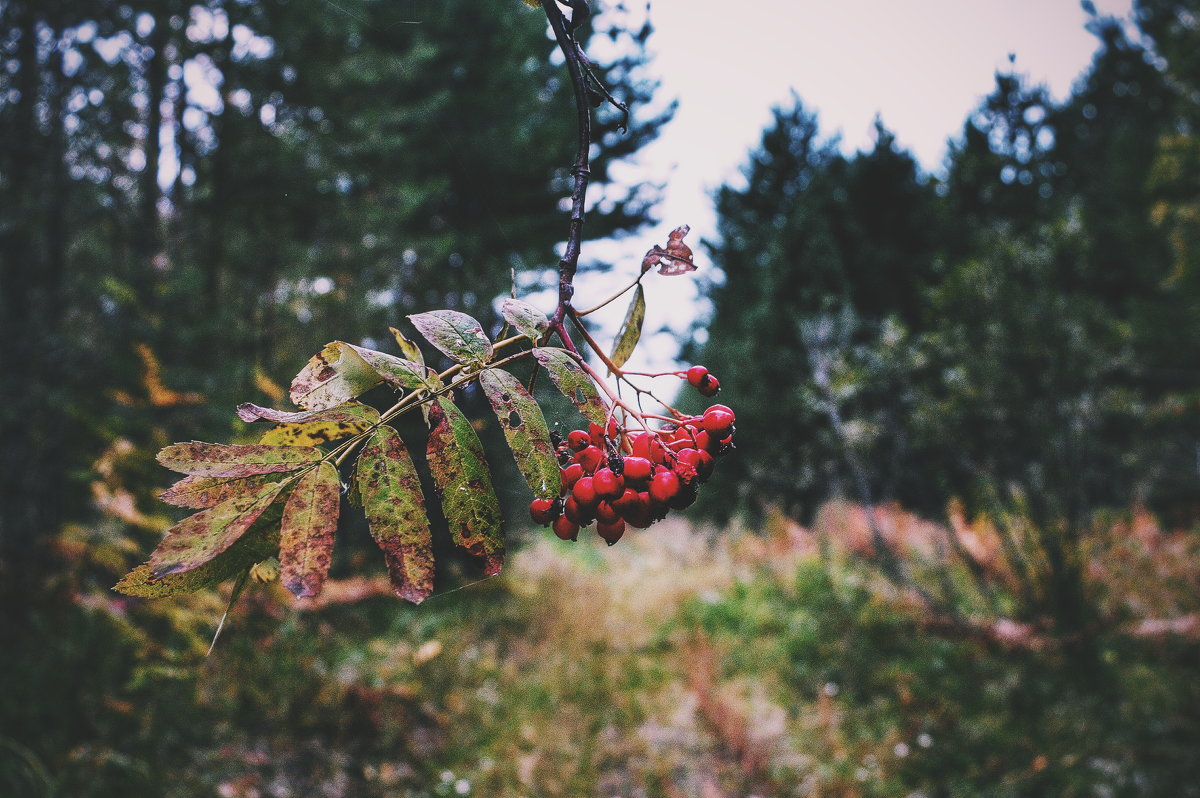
[664,486]
[696,375]
[607,484]
[611,532]
[543,511]
[565,528]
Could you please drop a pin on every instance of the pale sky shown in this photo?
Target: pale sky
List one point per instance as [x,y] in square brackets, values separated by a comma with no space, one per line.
[922,65]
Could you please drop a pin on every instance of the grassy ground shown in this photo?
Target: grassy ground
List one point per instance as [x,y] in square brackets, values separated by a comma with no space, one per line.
[681,662]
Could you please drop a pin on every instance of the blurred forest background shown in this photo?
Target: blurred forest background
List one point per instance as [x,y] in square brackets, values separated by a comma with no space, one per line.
[956,552]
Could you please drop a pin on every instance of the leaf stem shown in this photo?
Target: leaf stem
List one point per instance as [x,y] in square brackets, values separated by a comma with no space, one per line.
[613,298]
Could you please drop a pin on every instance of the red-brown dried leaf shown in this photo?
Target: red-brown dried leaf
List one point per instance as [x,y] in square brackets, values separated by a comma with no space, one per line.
[306,536]
[675,259]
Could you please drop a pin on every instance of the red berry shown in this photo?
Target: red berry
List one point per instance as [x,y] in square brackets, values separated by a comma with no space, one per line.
[711,387]
[718,422]
[565,528]
[611,429]
[606,513]
[577,439]
[638,469]
[570,475]
[696,375]
[700,460]
[543,511]
[664,486]
[591,458]
[638,513]
[577,513]
[684,498]
[611,532]
[608,485]
[584,492]
[596,434]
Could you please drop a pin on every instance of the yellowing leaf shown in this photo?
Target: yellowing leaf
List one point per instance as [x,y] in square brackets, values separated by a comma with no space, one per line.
[631,329]
[525,430]
[460,473]
[323,426]
[574,383]
[456,334]
[224,460]
[199,538]
[306,536]
[408,347]
[390,491]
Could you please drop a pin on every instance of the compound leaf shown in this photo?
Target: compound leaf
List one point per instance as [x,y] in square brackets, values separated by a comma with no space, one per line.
[524,318]
[225,460]
[460,473]
[525,430]
[199,538]
[574,383]
[390,491]
[456,334]
[198,493]
[306,536]
[631,329]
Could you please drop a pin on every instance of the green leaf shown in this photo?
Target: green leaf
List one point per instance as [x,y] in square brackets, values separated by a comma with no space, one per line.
[198,493]
[390,491]
[323,426]
[306,536]
[631,328]
[224,460]
[259,542]
[574,383]
[456,334]
[199,538]
[333,376]
[460,473]
[525,318]
[408,347]
[525,430]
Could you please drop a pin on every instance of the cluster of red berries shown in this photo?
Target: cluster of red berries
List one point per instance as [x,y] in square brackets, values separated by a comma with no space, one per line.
[620,479]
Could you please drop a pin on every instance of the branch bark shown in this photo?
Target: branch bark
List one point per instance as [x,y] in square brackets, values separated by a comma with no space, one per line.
[581,169]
